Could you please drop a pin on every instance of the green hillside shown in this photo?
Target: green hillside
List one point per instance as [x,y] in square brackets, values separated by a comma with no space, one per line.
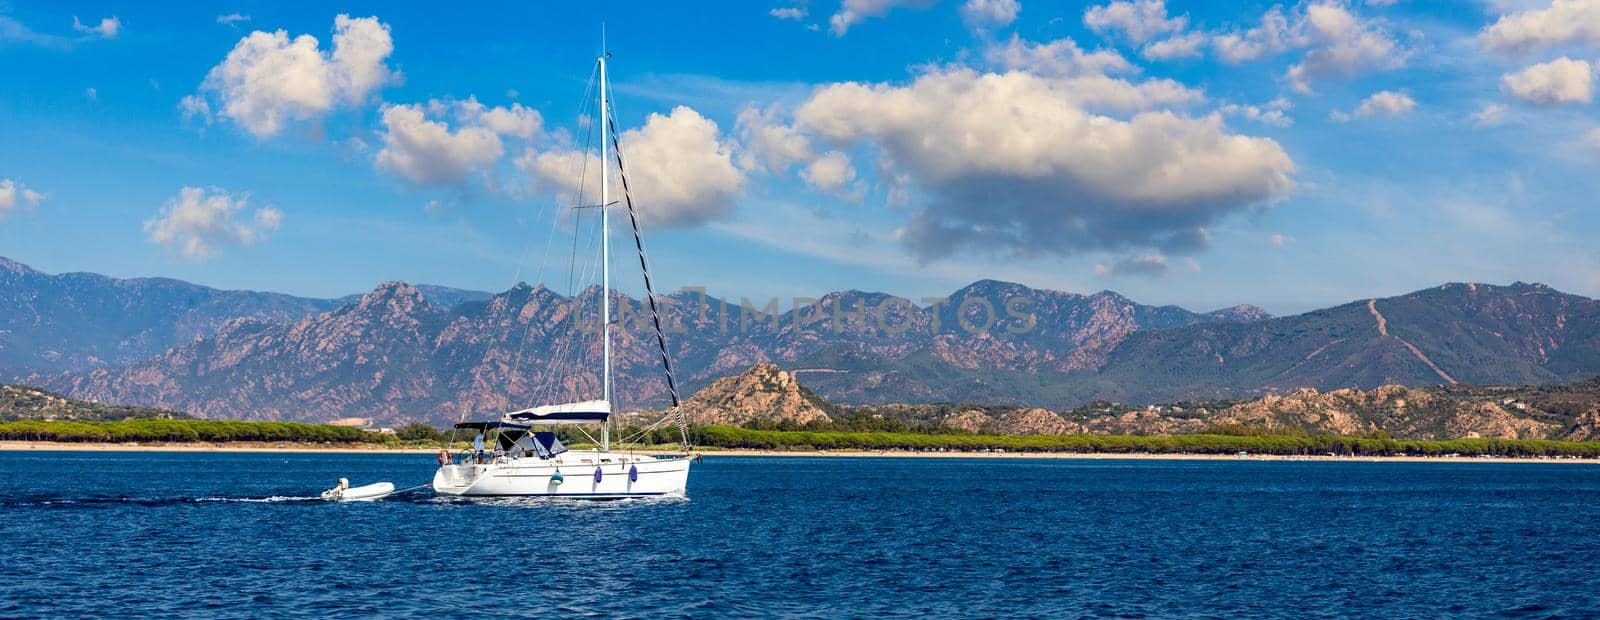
[20,402]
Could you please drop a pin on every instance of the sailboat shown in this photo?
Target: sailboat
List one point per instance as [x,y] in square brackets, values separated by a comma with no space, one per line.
[527,458]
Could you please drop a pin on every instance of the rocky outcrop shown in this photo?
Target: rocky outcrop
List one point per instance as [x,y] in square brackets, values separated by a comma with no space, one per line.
[764,392]
[1032,422]
[970,420]
[1241,313]
[1584,427]
[1418,413]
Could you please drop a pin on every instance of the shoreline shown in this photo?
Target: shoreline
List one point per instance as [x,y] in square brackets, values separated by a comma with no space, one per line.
[268,447]
[1147,456]
[242,446]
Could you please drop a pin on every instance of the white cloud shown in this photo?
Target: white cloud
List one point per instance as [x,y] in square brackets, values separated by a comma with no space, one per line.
[1381,103]
[1592,139]
[106,29]
[985,14]
[1058,58]
[1560,81]
[769,144]
[1490,115]
[1278,240]
[15,196]
[1274,113]
[13,31]
[232,20]
[1180,46]
[1137,20]
[789,12]
[1562,22]
[831,172]
[852,12]
[1273,36]
[195,107]
[1107,93]
[1082,75]
[516,120]
[1341,45]
[1338,43]
[268,80]
[360,47]
[559,171]
[428,152]
[195,223]
[680,169]
[1015,163]
[1142,265]
[91,94]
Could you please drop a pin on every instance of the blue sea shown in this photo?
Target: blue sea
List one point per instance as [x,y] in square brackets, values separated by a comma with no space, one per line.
[234,535]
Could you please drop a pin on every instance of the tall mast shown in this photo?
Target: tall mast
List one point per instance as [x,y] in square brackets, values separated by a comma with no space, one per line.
[605,253]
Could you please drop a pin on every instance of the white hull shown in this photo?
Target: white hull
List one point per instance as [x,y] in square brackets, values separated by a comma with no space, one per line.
[368,493]
[533,477]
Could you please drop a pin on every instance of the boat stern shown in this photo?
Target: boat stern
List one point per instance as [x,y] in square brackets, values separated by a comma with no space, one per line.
[453,479]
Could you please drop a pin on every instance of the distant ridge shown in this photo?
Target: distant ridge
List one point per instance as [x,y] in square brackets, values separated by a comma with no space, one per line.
[78,321]
[1467,333]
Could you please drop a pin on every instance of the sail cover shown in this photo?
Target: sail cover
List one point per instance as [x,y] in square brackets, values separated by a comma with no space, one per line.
[546,445]
[586,412]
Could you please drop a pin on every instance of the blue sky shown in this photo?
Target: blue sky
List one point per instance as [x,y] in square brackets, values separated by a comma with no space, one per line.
[1289,155]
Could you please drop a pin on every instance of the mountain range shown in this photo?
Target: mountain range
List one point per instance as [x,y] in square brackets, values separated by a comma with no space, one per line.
[78,321]
[404,352]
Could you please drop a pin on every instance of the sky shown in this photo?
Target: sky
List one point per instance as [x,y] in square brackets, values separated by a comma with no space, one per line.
[1287,155]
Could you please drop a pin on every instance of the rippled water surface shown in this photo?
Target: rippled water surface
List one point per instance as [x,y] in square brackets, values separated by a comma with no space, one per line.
[225,535]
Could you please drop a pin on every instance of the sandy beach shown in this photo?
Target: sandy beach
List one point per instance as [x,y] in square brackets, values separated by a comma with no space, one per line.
[23,446]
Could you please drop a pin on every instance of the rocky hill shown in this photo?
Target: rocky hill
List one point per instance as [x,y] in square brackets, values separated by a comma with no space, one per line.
[1561,411]
[20,402]
[764,392]
[1565,411]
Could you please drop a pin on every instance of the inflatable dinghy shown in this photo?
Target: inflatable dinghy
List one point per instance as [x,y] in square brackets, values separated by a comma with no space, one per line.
[346,493]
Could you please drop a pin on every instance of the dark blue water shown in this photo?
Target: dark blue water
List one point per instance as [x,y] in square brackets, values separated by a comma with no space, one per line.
[173,534]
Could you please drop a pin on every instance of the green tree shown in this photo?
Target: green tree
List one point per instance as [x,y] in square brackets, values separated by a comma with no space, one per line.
[418,431]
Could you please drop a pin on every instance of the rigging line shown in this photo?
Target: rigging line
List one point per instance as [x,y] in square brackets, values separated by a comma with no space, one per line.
[650,293]
[516,361]
[646,430]
[556,360]
[586,435]
[552,375]
[583,171]
[578,341]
